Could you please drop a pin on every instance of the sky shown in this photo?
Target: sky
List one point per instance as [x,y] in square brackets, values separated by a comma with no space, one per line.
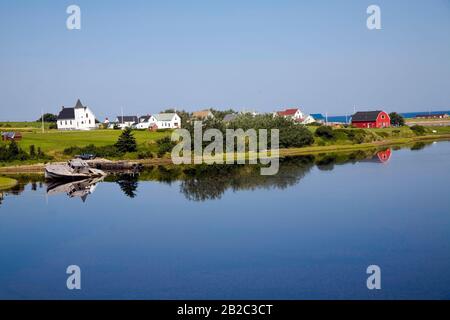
[147,56]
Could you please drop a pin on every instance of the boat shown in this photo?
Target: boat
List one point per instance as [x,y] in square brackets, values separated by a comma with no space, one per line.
[75,169]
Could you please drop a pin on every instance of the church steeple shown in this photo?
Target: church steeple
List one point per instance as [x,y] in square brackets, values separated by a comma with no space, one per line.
[79,104]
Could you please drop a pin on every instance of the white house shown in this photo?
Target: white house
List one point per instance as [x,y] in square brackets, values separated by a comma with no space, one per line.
[126,121]
[77,118]
[296,115]
[165,121]
[144,122]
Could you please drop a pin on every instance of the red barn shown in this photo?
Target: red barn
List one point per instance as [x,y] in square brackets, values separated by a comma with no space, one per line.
[371,119]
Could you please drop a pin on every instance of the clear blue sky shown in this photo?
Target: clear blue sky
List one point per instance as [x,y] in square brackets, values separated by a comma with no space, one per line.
[263,55]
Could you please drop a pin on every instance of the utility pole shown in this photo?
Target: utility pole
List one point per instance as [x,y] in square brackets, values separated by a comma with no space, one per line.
[122,113]
[42,119]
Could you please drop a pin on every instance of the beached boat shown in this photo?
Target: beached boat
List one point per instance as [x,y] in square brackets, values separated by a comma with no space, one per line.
[75,169]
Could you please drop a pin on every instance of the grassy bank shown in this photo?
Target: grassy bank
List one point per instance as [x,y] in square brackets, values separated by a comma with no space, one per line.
[7,183]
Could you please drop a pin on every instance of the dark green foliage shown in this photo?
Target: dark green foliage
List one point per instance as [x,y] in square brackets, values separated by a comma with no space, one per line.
[396,119]
[126,142]
[48,117]
[12,152]
[32,151]
[145,155]
[418,129]
[325,132]
[104,151]
[164,145]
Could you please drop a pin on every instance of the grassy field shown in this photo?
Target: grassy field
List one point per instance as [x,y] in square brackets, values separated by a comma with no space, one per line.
[6,183]
[22,126]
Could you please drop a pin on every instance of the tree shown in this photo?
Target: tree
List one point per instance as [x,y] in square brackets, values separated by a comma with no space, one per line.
[126,142]
[48,117]
[396,119]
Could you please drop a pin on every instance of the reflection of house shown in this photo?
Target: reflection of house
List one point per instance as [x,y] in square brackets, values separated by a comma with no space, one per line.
[380,157]
[202,115]
[296,115]
[126,121]
[371,119]
[11,136]
[77,118]
[165,121]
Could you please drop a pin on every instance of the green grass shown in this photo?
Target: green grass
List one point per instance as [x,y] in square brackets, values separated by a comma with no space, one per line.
[29,126]
[54,142]
[7,183]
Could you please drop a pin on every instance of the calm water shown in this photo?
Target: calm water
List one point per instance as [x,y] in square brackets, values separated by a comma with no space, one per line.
[309,232]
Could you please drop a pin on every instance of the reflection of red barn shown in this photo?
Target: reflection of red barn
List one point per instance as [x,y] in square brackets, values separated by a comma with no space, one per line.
[384,156]
[371,119]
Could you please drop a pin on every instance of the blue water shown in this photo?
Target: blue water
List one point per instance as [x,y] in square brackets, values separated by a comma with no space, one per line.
[309,233]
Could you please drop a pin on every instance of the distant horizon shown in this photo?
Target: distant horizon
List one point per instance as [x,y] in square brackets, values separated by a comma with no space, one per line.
[147,56]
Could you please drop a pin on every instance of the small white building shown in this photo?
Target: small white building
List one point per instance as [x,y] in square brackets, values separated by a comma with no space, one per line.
[77,118]
[165,121]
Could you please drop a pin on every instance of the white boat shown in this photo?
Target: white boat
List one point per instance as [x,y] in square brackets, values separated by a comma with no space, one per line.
[74,169]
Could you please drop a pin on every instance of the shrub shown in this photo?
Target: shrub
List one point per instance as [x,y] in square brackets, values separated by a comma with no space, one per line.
[418,129]
[164,145]
[145,155]
[325,132]
[103,151]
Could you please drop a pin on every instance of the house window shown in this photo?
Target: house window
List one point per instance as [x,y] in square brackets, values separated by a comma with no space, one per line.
[70,122]
[89,121]
[87,116]
[65,122]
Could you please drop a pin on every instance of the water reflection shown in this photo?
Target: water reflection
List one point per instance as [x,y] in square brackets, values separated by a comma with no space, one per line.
[74,189]
[207,182]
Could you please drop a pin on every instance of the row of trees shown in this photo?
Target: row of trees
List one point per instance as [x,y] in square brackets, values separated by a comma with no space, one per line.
[12,152]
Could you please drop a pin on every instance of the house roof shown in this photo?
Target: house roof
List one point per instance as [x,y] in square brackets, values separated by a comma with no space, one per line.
[66,114]
[79,104]
[202,114]
[317,116]
[230,117]
[121,119]
[164,116]
[144,118]
[287,112]
[11,135]
[366,116]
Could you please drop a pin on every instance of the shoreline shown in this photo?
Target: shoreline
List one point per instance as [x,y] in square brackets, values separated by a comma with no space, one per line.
[290,152]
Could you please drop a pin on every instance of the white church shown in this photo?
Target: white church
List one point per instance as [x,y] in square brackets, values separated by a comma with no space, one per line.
[77,118]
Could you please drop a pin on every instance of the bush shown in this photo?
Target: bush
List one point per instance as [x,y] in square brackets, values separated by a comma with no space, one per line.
[418,129]
[325,132]
[145,155]
[164,145]
[104,151]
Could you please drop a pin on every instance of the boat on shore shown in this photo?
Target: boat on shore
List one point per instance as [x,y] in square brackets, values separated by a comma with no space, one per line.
[75,169]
